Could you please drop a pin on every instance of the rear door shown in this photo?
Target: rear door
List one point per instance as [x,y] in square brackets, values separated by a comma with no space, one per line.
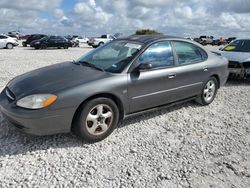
[52,41]
[191,70]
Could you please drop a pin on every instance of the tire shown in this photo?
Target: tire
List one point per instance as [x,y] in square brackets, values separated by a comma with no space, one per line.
[36,47]
[208,92]
[43,46]
[66,46]
[9,46]
[24,44]
[101,43]
[96,119]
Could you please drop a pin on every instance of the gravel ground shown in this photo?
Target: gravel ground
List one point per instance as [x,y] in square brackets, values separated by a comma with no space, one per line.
[183,146]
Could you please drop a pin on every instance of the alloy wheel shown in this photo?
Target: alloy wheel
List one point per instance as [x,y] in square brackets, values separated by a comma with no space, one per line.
[99,119]
[209,91]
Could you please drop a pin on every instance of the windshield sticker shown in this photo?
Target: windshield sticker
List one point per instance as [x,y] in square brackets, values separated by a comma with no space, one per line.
[131,45]
[230,48]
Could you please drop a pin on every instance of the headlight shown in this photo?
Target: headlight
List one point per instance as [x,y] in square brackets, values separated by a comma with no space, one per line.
[36,101]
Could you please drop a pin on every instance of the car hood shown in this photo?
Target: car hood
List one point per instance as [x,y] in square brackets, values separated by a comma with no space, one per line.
[53,78]
[236,56]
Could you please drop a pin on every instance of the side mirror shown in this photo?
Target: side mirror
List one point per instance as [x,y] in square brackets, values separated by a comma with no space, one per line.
[145,66]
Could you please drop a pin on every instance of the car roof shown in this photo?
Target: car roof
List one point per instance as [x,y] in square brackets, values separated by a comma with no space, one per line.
[242,39]
[146,39]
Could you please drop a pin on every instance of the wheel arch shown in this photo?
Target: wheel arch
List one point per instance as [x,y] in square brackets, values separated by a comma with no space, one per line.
[113,97]
[9,43]
[217,78]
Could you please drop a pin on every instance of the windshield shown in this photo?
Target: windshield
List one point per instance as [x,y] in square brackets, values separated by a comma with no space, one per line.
[238,46]
[113,56]
[44,38]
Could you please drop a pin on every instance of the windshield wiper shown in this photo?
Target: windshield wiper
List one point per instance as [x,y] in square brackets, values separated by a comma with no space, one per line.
[90,65]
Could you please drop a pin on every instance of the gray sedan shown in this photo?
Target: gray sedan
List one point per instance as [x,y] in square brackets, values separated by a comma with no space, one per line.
[124,77]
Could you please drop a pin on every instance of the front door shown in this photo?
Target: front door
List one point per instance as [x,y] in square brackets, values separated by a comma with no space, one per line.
[151,87]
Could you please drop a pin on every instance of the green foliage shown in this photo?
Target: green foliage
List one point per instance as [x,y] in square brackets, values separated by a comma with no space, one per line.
[147,32]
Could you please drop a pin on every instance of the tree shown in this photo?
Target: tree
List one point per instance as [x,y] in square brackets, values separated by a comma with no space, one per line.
[147,32]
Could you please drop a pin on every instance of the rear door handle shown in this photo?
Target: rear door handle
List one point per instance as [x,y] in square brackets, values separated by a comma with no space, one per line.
[172,75]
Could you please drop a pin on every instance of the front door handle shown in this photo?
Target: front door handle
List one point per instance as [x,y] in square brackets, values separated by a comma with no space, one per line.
[172,75]
[205,69]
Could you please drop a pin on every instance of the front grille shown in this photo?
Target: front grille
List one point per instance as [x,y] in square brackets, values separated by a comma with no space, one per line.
[10,94]
[233,64]
[246,65]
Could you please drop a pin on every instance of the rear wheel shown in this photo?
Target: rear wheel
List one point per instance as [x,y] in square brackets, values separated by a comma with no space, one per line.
[9,46]
[208,92]
[96,120]
[65,46]
[43,46]
[101,43]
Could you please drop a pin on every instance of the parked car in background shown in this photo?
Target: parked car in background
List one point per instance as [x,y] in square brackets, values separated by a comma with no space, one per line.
[125,77]
[14,34]
[71,42]
[81,39]
[95,42]
[219,42]
[8,42]
[32,38]
[230,39]
[51,41]
[238,54]
[205,40]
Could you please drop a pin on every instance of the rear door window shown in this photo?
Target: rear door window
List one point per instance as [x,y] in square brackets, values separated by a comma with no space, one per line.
[188,53]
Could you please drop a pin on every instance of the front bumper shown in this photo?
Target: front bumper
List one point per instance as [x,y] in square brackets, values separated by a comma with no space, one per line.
[36,122]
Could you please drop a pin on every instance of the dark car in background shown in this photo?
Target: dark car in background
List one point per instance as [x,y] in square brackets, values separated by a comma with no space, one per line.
[31,38]
[51,41]
[238,54]
[121,78]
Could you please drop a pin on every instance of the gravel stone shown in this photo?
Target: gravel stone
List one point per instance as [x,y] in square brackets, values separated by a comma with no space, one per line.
[186,145]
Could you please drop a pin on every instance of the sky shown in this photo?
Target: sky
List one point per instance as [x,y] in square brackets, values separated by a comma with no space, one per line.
[186,18]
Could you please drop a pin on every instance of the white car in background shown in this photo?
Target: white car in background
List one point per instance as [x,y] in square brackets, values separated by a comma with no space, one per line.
[81,39]
[7,42]
[95,42]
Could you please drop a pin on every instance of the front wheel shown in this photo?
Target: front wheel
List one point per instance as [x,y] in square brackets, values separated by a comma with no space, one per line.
[9,46]
[208,92]
[96,120]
